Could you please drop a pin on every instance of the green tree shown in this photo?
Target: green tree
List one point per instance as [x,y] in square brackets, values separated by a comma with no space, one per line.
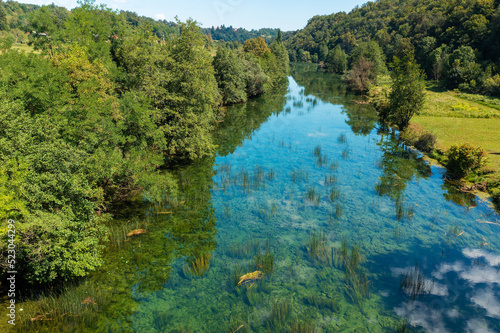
[372,52]
[230,76]
[407,95]
[362,75]
[256,46]
[336,61]
[461,70]
[3,18]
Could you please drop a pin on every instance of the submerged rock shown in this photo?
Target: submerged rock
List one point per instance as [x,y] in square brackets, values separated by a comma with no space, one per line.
[137,232]
[251,277]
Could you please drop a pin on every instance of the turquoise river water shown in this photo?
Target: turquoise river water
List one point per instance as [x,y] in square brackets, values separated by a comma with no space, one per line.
[349,230]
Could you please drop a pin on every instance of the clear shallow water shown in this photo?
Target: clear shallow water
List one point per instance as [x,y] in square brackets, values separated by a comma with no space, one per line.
[300,174]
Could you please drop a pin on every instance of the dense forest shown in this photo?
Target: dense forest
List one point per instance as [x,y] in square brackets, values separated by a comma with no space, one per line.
[100,113]
[454,41]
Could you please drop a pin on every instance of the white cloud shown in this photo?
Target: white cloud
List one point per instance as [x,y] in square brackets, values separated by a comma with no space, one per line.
[477,326]
[160,17]
[486,299]
[491,258]
[420,314]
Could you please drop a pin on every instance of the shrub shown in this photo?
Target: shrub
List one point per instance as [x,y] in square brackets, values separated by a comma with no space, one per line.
[426,142]
[423,141]
[463,159]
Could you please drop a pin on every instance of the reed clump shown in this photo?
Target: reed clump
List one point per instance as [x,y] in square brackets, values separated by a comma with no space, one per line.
[161,319]
[281,313]
[357,282]
[300,175]
[334,194]
[72,308]
[403,326]
[345,153]
[265,261]
[342,138]
[330,179]
[403,212]
[315,242]
[199,265]
[414,283]
[313,196]
[242,250]
[339,210]
[322,302]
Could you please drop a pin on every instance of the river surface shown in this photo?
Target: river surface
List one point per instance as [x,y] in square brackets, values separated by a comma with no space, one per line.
[349,231]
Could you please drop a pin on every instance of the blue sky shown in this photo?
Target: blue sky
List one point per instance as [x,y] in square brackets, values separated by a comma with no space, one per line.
[249,14]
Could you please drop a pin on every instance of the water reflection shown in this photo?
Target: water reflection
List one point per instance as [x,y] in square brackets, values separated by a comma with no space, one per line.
[399,165]
[459,282]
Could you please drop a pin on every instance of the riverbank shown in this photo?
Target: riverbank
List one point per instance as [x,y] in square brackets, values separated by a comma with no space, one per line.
[456,118]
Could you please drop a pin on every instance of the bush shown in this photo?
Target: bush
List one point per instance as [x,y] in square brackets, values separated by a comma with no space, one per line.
[426,142]
[423,141]
[493,185]
[463,159]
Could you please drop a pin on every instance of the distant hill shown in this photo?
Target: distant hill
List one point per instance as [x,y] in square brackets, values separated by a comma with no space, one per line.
[426,24]
[17,17]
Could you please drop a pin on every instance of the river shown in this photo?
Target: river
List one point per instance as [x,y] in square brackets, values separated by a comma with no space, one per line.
[349,230]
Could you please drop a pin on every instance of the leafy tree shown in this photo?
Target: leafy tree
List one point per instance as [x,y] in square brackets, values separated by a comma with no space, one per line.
[230,76]
[407,95]
[3,18]
[256,46]
[372,52]
[282,58]
[6,42]
[362,75]
[336,61]
[462,71]
[436,62]
[323,52]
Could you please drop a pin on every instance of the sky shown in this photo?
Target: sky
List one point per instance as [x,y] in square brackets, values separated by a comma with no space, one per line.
[248,14]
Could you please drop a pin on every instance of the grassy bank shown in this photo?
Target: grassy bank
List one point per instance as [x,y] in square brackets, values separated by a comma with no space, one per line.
[456,118]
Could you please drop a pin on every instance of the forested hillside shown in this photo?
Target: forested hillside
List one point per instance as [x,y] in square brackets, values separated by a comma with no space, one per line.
[99,113]
[454,40]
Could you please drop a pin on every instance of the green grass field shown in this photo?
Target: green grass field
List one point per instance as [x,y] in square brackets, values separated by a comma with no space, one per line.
[476,131]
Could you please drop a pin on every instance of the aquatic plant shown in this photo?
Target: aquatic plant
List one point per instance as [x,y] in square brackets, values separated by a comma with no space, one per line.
[334,194]
[270,175]
[322,160]
[227,210]
[403,326]
[235,276]
[317,151]
[342,138]
[345,153]
[455,230]
[281,312]
[161,319]
[241,250]
[311,194]
[330,179]
[357,283]
[403,212]
[414,283]
[300,175]
[315,242]
[334,166]
[73,308]
[265,262]
[199,265]
[321,302]
[339,210]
